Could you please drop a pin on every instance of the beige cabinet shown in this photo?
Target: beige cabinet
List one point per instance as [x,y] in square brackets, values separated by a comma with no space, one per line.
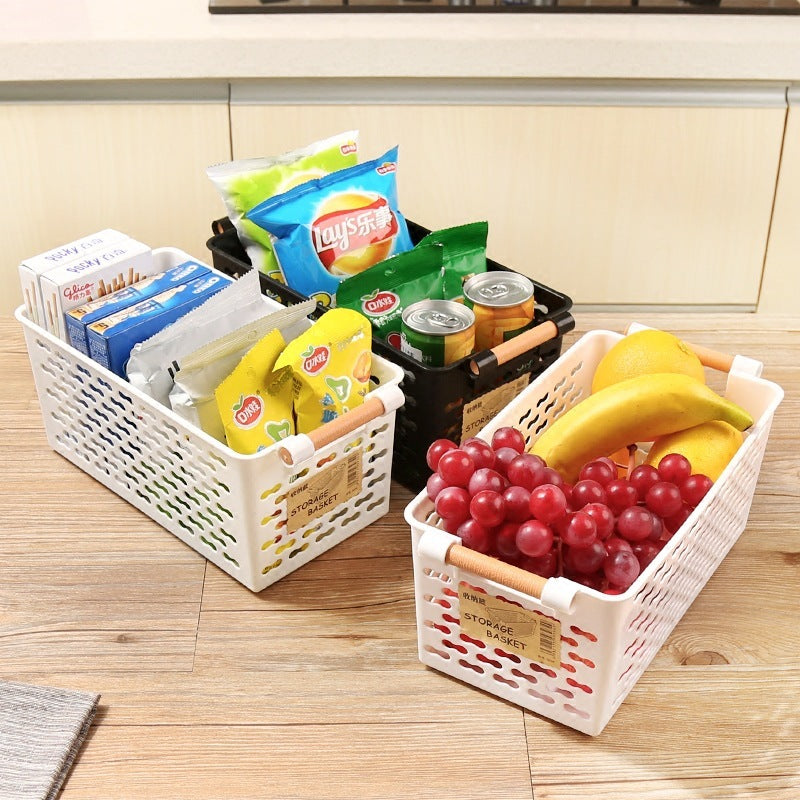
[780,288]
[612,204]
[73,168]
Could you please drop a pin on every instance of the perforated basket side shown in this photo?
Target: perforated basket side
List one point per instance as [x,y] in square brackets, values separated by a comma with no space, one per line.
[231,508]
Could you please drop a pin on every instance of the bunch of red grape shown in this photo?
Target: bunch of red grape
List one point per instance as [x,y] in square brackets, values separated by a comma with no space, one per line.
[602,531]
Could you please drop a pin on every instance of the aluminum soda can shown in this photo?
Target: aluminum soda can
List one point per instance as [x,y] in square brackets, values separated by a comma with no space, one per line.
[503,304]
[437,332]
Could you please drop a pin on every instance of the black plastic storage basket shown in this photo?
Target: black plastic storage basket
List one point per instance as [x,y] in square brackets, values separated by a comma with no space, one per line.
[451,402]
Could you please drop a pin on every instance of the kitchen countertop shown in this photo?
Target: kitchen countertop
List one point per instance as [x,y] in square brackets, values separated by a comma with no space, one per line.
[312,688]
[49,40]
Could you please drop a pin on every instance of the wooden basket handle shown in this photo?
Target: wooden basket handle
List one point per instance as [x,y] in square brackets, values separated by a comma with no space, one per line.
[708,357]
[494,570]
[387,399]
[520,344]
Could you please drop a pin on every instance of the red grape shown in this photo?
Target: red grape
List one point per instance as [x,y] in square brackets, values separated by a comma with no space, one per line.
[664,499]
[642,478]
[505,542]
[480,452]
[620,494]
[695,488]
[599,470]
[526,470]
[658,528]
[587,560]
[645,552]
[452,504]
[518,504]
[475,536]
[635,524]
[503,457]
[674,468]
[621,569]
[552,476]
[614,544]
[546,565]
[456,467]
[580,530]
[603,517]
[436,450]
[508,437]
[587,491]
[450,525]
[673,522]
[534,538]
[488,508]
[548,503]
[435,485]
[483,479]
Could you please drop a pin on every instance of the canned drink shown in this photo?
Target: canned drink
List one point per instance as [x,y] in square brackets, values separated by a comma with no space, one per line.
[503,303]
[437,332]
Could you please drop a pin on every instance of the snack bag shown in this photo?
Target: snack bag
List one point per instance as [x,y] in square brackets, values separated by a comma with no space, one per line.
[245,183]
[331,364]
[254,401]
[464,254]
[333,227]
[384,290]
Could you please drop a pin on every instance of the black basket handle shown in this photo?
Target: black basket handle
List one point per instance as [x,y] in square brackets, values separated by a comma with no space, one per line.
[528,340]
[221,225]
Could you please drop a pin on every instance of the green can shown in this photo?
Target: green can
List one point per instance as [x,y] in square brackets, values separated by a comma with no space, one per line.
[437,332]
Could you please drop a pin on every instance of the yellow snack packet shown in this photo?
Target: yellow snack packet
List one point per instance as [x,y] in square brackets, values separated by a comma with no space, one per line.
[331,364]
[255,400]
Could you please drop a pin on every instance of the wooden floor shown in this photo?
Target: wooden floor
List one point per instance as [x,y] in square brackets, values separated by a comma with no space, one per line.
[312,689]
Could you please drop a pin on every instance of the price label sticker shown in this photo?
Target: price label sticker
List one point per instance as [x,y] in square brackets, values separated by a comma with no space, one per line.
[485,408]
[517,630]
[326,490]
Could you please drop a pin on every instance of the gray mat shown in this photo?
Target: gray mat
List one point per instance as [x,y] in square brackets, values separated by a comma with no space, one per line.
[41,731]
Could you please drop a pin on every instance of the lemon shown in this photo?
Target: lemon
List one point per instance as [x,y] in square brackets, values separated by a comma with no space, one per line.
[644,353]
[709,447]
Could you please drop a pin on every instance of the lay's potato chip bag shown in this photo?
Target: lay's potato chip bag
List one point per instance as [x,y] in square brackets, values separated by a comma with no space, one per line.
[331,364]
[335,226]
[255,400]
[247,182]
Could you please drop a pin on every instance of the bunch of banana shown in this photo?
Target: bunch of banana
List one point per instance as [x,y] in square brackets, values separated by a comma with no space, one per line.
[638,409]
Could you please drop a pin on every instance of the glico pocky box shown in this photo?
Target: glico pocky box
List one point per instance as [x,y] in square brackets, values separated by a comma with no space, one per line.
[247,182]
[331,366]
[384,290]
[330,228]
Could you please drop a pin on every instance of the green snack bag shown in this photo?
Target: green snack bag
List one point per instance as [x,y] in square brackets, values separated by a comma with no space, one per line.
[245,183]
[381,292]
[464,254]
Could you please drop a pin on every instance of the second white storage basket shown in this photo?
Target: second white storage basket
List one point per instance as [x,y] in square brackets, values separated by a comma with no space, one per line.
[597,645]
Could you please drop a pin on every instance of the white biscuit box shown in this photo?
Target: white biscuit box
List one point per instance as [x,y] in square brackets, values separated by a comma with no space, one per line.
[96,274]
[31,269]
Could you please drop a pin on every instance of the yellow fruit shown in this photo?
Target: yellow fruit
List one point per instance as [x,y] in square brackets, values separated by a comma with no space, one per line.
[635,410]
[709,447]
[644,353]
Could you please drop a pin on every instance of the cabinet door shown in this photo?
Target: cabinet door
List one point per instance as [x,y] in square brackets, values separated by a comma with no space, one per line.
[73,168]
[780,289]
[610,204]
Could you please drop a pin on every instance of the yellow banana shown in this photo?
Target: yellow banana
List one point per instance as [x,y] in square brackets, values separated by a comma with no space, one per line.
[635,410]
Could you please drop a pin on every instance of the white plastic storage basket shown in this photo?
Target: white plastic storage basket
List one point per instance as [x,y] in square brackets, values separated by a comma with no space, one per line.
[233,509]
[606,641]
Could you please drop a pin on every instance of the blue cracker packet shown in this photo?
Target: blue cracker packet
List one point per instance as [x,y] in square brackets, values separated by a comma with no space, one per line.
[79,319]
[112,338]
[330,228]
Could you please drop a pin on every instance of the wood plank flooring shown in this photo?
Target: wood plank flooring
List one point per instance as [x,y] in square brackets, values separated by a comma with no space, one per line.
[312,689]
